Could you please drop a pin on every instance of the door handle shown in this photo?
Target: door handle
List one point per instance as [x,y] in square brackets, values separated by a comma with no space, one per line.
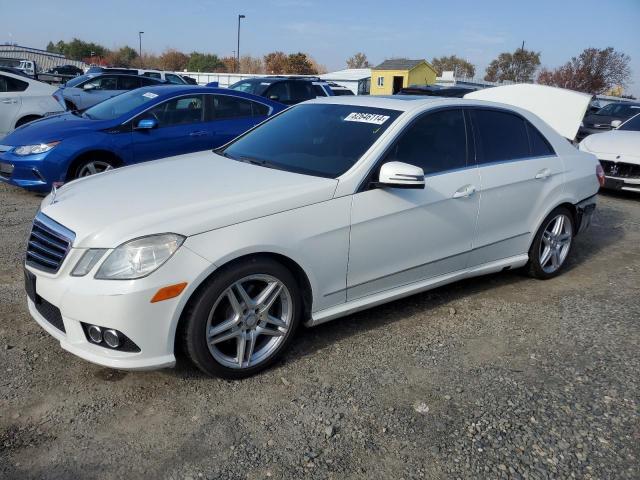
[465,192]
[8,101]
[542,174]
[201,133]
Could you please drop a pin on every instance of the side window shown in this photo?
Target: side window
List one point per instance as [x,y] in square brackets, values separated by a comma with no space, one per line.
[128,83]
[174,79]
[226,106]
[145,82]
[301,91]
[259,109]
[280,91]
[179,111]
[539,145]
[103,83]
[500,136]
[381,81]
[155,75]
[8,84]
[319,91]
[435,142]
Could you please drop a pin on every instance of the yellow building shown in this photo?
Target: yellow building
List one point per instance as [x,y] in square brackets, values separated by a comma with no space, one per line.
[392,75]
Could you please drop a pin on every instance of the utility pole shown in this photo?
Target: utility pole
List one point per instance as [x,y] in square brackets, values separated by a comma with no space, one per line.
[140,46]
[238,50]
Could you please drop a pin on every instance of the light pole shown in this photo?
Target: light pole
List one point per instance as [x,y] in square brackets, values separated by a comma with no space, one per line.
[140,47]
[238,50]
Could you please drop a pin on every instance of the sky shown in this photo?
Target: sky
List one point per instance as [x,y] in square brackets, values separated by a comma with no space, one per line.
[333,30]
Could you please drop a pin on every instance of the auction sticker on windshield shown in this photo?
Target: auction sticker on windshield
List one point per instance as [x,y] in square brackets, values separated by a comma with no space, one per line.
[366,118]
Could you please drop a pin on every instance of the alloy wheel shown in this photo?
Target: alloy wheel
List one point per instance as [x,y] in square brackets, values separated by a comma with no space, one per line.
[93,167]
[556,242]
[249,321]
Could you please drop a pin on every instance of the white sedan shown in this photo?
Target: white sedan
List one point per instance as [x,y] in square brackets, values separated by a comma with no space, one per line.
[333,206]
[23,100]
[619,153]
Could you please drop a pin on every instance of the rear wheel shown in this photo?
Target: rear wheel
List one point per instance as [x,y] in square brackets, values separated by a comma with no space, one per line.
[243,319]
[551,245]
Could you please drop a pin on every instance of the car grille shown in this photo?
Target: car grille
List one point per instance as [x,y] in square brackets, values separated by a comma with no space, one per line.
[620,169]
[49,243]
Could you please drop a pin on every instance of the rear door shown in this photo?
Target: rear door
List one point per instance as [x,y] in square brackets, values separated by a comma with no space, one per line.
[231,116]
[181,129]
[10,102]
[519,171]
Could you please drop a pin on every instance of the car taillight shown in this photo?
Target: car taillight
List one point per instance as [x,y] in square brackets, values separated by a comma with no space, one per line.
[600,174]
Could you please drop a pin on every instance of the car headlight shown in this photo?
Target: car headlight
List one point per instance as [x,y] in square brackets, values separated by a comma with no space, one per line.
[34,149]
[139,258]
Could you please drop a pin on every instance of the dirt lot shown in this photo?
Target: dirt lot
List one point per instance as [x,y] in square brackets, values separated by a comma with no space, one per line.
[496,377]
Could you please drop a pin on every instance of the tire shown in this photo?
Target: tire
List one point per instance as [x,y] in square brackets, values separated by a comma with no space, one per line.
[224,338]
[91,166]
[552,245]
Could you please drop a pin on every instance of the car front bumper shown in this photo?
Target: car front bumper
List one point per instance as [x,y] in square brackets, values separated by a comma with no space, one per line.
[123,305]
[29,172]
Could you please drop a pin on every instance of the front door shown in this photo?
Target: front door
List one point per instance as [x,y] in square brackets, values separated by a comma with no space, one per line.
[398,84]
[402,236]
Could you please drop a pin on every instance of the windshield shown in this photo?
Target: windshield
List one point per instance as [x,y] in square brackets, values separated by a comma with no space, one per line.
[78,80]
[632,125]
[619,110]
[249,86]
[120,105]
[315,139]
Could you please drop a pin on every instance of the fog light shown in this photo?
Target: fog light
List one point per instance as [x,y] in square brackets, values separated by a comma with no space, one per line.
[95,333]
[111,338]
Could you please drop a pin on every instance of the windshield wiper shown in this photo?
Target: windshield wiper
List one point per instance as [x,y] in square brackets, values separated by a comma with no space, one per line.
[260,163]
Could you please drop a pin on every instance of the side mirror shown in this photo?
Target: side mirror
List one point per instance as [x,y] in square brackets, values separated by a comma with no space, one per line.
[616,123]
[147,124]
[401,175]
[88,87]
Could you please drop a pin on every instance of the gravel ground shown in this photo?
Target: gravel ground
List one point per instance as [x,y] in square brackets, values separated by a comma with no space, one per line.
[496,377]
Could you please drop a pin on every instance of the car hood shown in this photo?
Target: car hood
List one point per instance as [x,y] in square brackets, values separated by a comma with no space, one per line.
[616,142]
[54,128]
[187,194]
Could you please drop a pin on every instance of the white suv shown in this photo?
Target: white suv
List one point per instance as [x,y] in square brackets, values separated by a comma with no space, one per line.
[333,206]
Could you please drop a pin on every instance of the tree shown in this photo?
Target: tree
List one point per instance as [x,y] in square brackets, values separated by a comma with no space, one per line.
[123,57]
[455,64]
[318,67]
[594,71]
[173,60]
[229,64]
[276,63]
[249,64]
[359,60]
[203,62]
[300,64]
[77,49]
[518,66]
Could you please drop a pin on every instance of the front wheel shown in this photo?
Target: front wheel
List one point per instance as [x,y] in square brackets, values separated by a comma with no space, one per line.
[551,245]
[243,319]
[92,166]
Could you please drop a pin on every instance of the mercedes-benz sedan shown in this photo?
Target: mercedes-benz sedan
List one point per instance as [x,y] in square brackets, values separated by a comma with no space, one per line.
[330,207]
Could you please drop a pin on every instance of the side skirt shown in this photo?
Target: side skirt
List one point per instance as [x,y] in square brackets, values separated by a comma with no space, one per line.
[364,303]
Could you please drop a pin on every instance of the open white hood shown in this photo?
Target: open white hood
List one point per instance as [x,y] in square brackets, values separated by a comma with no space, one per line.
[562,109]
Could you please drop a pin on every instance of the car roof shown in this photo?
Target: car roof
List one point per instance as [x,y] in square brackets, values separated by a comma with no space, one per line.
[402,103]
[168,90]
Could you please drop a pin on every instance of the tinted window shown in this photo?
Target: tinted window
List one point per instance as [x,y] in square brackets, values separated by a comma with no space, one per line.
[280,92]
[145,82]
[128,83]
[301,91]
[103,83]
[259,109]
[8,84]
[619,109]
[175,79]
[319,91]
[179,111]
[338,92]
[538,144]
[632,124]
[500,136]
[435,142]
[152,75]
[225,106]
[74,82]
[316,139]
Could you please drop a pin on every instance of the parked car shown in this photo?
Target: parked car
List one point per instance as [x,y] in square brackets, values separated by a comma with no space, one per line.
[71,70]
[601,121]
[189,80]
[137,126]
[288,90]
[168,77]
[330,207]
[436,91]
[86,91]
[339,90]
[619,153]
[97,69]
[23,100]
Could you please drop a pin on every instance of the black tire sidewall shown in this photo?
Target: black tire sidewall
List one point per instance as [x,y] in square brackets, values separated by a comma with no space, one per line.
[194,334]
[534,269]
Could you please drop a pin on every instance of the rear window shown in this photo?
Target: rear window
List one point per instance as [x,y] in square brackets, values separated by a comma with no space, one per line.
[500,136]
[313,139]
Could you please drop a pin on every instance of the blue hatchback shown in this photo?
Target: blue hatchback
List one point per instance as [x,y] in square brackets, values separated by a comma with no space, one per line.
[137,126]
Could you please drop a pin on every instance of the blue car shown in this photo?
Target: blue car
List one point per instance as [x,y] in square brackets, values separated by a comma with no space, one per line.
[137,126]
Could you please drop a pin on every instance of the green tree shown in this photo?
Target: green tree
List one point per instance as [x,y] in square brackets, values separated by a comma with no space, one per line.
[77,49]
[518,66]
[454,64]
[300,64]
[203,62]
